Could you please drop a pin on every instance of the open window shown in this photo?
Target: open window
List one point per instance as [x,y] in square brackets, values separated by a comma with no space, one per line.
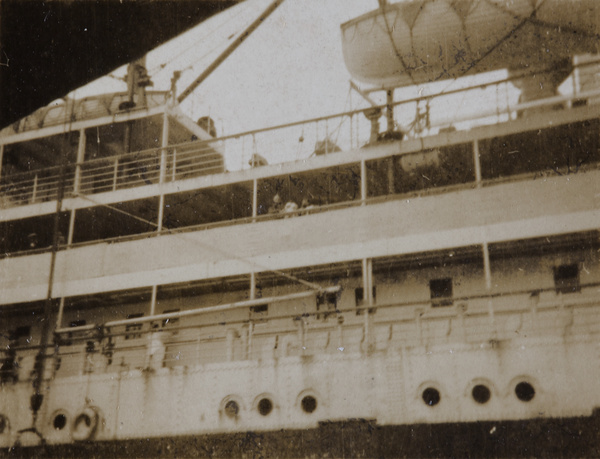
[441,292]
[259,312]
[566,278]
[134,327]
[326,304]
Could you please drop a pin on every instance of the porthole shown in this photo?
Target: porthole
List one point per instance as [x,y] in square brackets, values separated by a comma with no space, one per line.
[309,404]
[232,409]
[524,391]
[431,396]
[60,421]
[3,424]
[481,394]
[265,406]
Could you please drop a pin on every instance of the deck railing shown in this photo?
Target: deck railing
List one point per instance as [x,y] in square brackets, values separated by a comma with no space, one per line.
[318,136]
[124,344]
[111,173]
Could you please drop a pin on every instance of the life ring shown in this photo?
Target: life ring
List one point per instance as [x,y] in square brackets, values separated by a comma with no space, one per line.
[85,424]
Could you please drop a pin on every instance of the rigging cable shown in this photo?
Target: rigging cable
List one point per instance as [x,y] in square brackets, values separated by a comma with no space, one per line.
[393,43]
[212,248]
[194,43]
[39,368]
[474,62]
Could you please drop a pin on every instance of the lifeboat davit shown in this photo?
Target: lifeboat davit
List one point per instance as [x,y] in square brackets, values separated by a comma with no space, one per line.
[419,41]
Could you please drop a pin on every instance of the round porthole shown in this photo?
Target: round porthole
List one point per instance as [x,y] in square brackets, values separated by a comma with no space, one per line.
[481,394]
[231,409]
[309,404]
[524,391]
[265,406]
[431,396]
[60,421]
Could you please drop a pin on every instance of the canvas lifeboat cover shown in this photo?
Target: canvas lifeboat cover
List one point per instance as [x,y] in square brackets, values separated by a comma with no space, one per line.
[412,42]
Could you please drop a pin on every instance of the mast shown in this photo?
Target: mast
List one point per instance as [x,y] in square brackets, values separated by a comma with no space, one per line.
[137,79]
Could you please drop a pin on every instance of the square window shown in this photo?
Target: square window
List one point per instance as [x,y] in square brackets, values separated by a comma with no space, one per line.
[21,336]
[134,327]
[73,324]
[566,278]
[326,303]
[441,292]
[21,332]
[259,312]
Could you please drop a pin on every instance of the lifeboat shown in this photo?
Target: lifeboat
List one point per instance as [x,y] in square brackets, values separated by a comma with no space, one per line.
[414,42]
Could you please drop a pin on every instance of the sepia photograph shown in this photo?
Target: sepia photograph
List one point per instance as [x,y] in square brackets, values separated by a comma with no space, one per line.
[299,228]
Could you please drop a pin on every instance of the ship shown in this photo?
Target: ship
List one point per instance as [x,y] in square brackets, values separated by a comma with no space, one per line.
[404,290]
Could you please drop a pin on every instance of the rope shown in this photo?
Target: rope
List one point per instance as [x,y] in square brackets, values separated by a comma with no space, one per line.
[194,43]
[212,248]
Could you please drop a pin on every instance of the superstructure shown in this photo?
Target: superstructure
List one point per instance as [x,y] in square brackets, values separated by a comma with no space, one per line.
[429,279]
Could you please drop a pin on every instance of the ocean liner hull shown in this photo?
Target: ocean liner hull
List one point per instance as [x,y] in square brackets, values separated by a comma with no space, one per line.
[431,294]
[565,437]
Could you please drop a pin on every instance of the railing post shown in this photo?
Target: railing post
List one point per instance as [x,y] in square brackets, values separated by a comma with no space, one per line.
[61,308]
[389,110]
[534,299]
[115,173]
[161,212]
[1,158]
[79,161]
[34,191]
[174,165]
[391,176]
[249,342]
[252,285]
[477,163]
[301,334]
[164,145]
[245,336]
[230,337]
[363,182]
[576,78]
[340,333]
[163,166]
[71,227]
[153,300]
[418,313]
[254,199]
[488,280]
[367,275]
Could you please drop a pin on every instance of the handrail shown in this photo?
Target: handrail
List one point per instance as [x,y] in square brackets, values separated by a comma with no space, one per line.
[433,191]
[562,301]
[205,145]
[46,187]
[205,310]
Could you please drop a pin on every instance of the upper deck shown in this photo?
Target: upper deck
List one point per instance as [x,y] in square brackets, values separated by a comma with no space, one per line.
[156,167]
[451,188]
